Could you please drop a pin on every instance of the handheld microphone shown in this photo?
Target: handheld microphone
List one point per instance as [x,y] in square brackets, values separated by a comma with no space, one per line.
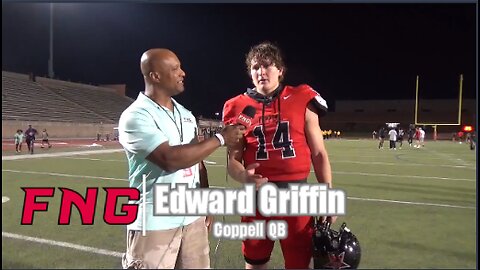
[246,117]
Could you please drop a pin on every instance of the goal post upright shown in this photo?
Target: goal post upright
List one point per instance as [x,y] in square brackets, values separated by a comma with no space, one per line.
[416,101]
[460,100]
[434,125]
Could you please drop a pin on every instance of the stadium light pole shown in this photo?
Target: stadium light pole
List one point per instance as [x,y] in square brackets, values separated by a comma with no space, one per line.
[51,74]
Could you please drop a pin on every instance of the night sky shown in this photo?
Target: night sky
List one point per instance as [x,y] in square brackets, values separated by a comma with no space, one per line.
[345,51]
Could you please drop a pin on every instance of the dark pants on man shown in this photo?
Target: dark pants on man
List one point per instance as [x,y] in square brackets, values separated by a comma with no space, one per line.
[392,144]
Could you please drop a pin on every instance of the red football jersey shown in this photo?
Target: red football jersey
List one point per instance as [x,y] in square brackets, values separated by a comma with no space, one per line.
[277,139]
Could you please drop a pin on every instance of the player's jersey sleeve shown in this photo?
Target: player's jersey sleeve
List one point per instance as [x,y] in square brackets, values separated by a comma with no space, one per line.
[317,100]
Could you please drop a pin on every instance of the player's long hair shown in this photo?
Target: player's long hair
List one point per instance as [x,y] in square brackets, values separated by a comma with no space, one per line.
[266,53]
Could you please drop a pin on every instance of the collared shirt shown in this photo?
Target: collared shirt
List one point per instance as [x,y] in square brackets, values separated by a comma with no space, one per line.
[143,126]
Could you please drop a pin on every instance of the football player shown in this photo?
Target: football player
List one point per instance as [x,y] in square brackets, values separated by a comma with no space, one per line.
[279,146]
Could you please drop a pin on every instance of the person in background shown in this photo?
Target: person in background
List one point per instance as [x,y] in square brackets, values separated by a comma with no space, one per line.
[411,135]
[393,138]
[381,137]
[30,134]
[421,137]
[473,141]
[18,137]
[45,139]
[401,133]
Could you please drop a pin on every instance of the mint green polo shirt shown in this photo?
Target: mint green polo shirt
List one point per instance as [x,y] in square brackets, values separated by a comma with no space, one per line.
[143,126]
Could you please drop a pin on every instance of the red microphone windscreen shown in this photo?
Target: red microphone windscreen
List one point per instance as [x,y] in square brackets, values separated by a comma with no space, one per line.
[245,118]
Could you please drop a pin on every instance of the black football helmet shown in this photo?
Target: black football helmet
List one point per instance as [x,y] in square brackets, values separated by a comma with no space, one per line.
[335,250]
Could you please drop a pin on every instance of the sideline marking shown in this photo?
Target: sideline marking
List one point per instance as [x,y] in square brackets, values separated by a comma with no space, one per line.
[5,199]
[97,159]
[62,154]
[412,203]
[67,175]
[63,244]
[404,164]
[406,176]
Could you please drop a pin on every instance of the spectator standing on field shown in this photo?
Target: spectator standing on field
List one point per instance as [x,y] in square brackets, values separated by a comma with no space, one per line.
[393,138]
[401,133]
[422,137]
[30,138]
[18,140]
[45,138]
[411,134]
[381,137]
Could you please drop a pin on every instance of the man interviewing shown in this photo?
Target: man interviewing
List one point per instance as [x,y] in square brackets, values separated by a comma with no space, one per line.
[159,138]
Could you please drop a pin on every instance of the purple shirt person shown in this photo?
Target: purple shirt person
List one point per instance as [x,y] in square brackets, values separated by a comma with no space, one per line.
[30,133]
[30,138]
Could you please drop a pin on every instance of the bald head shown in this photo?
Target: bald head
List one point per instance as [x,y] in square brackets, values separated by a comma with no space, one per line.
[162,72]
[152,60]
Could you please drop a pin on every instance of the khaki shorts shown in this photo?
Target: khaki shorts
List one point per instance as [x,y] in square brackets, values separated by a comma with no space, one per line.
[184,247]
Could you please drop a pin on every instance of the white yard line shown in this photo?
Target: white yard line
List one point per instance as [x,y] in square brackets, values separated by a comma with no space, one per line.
[451,158]
[67,175]
[412,203]
[214,164]
[405,176]
[98,159]
[335,172]
[403,164]
[388,175]
[94,250]
[61,154]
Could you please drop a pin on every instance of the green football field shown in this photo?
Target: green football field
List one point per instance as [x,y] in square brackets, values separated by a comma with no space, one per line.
[409,208]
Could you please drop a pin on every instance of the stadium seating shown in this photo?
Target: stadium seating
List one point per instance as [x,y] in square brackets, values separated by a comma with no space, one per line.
[58,101]
[102,101]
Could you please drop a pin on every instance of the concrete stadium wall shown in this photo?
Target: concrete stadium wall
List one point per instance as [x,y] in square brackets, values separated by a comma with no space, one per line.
[57,129]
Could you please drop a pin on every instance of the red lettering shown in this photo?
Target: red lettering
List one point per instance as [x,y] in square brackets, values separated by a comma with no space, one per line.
[30,205]
[86,207]
[130,210]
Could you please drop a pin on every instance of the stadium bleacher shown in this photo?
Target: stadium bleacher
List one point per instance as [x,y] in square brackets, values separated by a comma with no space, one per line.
[53,100]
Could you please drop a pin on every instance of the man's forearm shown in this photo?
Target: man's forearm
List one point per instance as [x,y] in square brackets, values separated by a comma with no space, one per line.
[183,156]
[322,168]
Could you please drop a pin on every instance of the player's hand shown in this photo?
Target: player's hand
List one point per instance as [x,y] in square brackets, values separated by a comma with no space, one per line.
[330,219]
[208,222]
[232,134]
[252,177]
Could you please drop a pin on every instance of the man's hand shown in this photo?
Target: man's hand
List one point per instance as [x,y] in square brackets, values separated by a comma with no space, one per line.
[251,177]
[208,222]
[232,133]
